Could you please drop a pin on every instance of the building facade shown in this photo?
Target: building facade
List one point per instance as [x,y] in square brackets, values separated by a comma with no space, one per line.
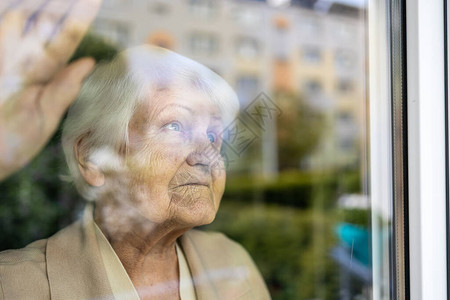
[258,47]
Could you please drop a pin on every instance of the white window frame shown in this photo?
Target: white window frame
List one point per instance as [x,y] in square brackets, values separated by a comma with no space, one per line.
[427,144]
[427,163]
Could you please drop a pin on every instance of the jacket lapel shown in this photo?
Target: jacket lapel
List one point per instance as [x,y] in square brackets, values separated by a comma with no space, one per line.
[204,285]
[216,275]
[74,264]
[75,267]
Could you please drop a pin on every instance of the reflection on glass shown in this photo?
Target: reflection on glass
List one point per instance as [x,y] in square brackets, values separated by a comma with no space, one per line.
[296,195]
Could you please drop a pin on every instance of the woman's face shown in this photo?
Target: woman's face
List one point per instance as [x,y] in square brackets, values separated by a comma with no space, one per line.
[174,166]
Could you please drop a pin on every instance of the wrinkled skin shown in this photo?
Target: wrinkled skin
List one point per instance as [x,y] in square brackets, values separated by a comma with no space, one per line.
[170,182]
[172,178]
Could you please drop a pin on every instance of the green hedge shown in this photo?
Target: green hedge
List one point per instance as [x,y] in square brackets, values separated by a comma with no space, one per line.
[290,247]
[294,188]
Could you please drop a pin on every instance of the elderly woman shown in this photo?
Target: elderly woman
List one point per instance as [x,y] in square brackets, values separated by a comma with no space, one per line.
[142,142]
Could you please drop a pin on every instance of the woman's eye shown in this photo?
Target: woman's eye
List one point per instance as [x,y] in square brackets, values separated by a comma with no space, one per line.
[175,126]
[212,137]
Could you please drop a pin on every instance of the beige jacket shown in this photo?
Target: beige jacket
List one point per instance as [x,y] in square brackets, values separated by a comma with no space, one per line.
[69,265]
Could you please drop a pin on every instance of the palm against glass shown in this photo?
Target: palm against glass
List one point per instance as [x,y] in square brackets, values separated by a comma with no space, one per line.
[37,38]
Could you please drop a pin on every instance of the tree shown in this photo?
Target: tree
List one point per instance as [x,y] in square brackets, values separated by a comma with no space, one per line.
[299,130]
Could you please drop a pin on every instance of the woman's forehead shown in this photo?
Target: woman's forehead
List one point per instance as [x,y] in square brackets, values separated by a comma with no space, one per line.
[189,98]
[190,103]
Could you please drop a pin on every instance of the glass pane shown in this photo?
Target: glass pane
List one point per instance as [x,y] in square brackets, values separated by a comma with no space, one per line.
[296,195]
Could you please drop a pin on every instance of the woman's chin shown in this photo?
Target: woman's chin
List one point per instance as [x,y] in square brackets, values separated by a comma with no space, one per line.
[201,213]
[195,207]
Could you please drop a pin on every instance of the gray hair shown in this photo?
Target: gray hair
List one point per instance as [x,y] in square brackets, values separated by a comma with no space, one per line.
[110,95]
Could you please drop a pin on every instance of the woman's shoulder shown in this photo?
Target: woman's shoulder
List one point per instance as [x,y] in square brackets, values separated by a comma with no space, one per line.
[19,267]
[34,252]
[216,248]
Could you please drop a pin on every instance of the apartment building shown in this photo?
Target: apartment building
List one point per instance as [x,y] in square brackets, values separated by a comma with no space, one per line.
[259,46]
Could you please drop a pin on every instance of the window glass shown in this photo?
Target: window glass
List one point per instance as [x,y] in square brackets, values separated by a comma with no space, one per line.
[248,16]
[203,8]
[310,27]
[159,8]
[344,59]
[203,43]
[247,48]
[311,55]
[296,195]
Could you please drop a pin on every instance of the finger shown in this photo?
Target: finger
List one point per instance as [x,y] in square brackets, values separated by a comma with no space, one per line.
[62,17]
[51,14]
[69,32]
[6,6]
[15,16]
[28,10]
[61,92]
[10,67]
[33,18]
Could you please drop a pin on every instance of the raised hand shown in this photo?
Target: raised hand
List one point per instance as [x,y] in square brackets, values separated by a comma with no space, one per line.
[37,38]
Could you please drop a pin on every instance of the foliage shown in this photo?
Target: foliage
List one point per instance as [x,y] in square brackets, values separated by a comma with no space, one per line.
[34,202]
[290,247]
[96,47]
[294,188]
[299,130]
[355,216]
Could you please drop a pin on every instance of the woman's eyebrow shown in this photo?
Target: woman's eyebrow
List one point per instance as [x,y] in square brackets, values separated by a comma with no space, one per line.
[177,105]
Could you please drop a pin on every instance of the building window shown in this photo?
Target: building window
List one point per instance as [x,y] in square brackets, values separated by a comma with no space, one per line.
[247,47]
[312,55]
[246,17]
[346,124]
[159,8]
[311,27]
[280,45]
[344,59]
[346,143]
[203,8]
[344,31]
[346,130]
[281,37]
[247,87]
[203,43]
[344,85]
[313,87]
[345,118]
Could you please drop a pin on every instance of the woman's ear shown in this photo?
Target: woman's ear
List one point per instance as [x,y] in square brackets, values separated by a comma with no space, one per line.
[90,172]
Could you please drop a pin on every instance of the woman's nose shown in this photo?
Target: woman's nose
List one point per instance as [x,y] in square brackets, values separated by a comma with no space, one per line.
[198,158]
[204,152]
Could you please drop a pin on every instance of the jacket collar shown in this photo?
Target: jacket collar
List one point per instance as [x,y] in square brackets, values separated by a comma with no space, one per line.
[75,267]
[216,275]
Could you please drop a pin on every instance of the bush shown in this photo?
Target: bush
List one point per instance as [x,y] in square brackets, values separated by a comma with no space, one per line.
[34,202]
[293,188]
[290,246]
